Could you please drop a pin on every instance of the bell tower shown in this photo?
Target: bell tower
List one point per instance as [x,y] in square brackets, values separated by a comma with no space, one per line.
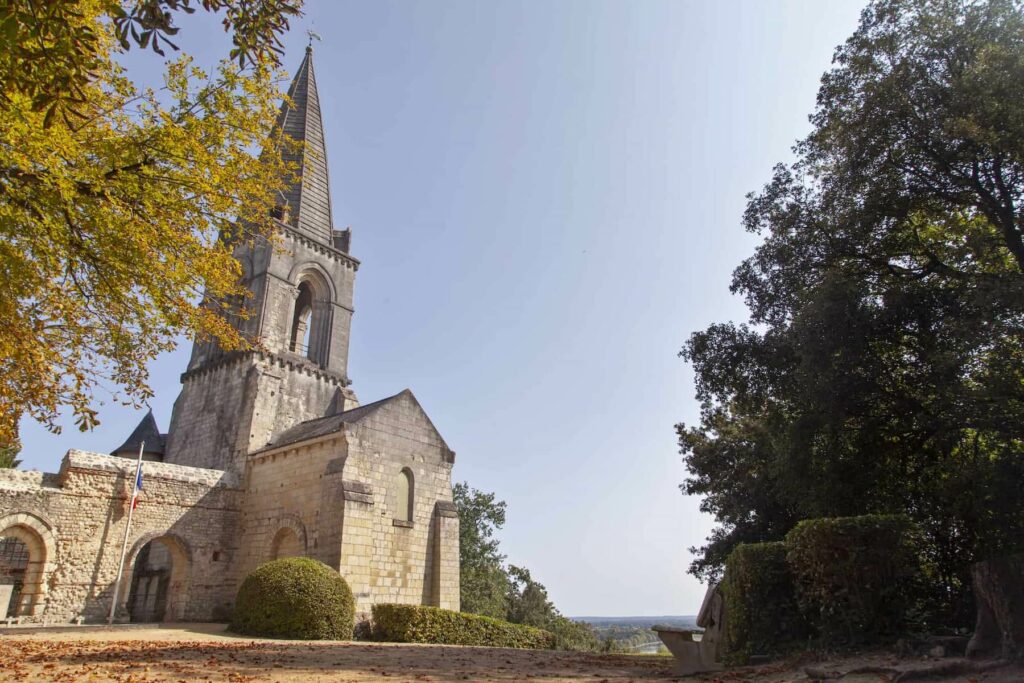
[234,403]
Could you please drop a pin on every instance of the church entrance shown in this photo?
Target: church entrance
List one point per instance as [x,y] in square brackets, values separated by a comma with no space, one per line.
[13,564]
[157,587]
[25,547]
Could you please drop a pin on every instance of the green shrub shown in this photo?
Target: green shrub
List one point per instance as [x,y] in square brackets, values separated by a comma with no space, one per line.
[577,636]
[418,624]
[295,597]
[762,615]
[855,576]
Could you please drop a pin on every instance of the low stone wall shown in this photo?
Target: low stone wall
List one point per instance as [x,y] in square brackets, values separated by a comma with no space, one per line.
[73,523]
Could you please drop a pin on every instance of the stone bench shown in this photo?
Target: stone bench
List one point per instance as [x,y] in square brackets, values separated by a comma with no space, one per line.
[691,654]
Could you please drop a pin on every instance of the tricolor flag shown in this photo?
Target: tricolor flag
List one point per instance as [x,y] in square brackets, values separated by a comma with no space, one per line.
[138,487]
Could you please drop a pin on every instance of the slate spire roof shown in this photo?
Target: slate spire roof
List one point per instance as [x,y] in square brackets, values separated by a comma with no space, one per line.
[146,431]
[309,198]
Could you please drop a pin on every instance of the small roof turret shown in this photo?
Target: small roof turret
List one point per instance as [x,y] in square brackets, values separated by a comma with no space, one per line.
[147,431]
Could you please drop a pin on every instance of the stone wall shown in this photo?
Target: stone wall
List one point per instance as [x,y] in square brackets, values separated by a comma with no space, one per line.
[73,523]
[337,494]
[233,403]
[409,563]
[238,404]
[285,493]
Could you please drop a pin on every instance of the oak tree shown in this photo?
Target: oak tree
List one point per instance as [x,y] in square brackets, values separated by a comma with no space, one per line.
[881,369]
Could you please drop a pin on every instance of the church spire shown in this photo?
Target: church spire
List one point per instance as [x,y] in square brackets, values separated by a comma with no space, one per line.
[308,199]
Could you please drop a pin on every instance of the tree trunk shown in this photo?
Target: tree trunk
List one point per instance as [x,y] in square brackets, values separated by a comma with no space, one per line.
[999,589]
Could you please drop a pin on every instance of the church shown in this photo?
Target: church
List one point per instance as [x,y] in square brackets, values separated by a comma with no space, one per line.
[269,454]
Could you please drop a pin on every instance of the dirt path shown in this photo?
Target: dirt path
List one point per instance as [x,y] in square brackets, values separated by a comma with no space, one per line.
[203,652]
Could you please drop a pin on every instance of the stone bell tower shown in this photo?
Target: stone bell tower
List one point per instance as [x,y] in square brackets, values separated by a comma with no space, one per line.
[233,403]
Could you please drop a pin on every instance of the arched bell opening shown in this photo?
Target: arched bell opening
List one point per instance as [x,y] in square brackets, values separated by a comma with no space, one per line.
[310,331]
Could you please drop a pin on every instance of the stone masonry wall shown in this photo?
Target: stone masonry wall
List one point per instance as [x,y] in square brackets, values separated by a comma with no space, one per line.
[76,519]
[337,495]
[407,563]
[285,496]
[237,406]
[210,413]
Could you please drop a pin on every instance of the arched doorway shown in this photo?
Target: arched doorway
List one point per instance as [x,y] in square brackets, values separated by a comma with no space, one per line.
[159,578]
[13,564]
[26,548]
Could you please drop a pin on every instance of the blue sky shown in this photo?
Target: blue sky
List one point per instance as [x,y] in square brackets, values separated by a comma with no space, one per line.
[546,199]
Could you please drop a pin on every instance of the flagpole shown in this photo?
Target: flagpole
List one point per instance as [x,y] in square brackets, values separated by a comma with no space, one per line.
[127,529]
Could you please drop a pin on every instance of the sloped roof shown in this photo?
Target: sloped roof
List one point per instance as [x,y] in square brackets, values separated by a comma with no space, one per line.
[309,197]
[147,431]
[311,429]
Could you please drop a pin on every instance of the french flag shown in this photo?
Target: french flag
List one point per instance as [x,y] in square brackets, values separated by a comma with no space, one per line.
[138,488]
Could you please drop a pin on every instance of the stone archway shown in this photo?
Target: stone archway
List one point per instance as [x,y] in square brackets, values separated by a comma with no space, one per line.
[286,544]
[30,536]
[310,332]
[156,579]
[289,540]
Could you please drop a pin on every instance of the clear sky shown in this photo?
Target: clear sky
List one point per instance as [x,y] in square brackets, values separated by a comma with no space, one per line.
[546,200]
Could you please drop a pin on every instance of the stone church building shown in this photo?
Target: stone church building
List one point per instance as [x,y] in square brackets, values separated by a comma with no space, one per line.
[269,454]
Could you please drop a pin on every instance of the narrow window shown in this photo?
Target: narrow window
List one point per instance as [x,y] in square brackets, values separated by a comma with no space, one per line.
[405,495]
[299,342]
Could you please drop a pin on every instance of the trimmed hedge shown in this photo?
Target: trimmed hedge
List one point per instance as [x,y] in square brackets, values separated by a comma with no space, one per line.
[295,597]
[762,614]
[419,624]
[855,576]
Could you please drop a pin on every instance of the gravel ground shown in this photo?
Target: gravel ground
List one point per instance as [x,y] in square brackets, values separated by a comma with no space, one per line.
[203,652]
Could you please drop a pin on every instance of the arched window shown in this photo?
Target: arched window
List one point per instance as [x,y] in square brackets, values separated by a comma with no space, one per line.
[310,334]
[406,494]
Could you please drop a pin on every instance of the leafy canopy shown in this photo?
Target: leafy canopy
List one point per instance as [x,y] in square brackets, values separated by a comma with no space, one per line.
[882,371]
[483,579]
[118,206]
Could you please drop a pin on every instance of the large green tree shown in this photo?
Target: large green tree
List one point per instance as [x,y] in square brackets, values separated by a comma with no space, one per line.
[483,580]
[882,367]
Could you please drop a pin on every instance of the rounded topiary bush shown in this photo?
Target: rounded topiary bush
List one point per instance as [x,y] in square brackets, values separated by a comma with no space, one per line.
[295,597]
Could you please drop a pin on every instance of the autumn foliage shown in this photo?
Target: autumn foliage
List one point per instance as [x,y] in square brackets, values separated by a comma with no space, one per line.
[114,213]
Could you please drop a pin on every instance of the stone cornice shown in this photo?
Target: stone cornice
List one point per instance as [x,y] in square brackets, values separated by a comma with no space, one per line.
[317,246]
[295,447]
[291,361]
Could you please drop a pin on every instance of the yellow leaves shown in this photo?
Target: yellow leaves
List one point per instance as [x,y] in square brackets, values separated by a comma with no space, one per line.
[110,230]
